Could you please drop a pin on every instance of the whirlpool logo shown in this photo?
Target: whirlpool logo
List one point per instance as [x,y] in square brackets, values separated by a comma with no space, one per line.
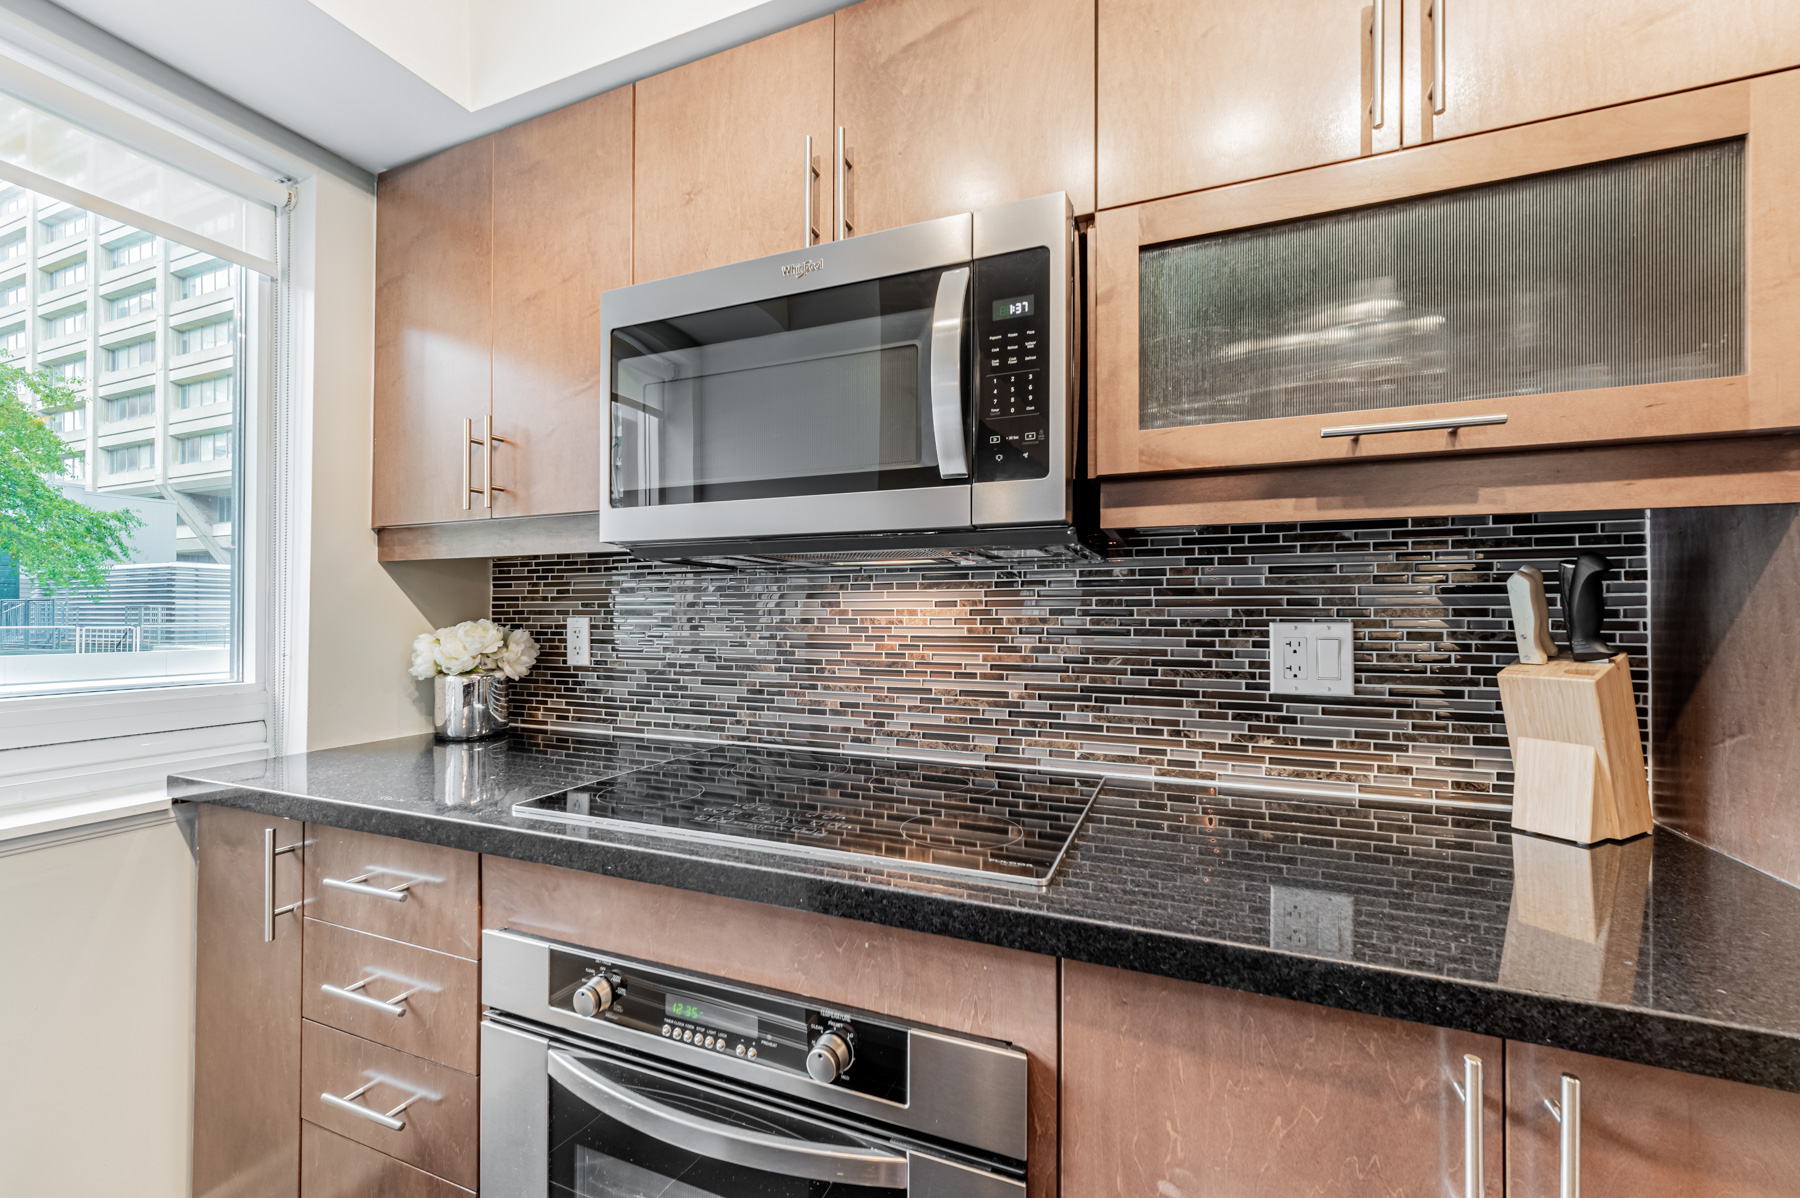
[799,270]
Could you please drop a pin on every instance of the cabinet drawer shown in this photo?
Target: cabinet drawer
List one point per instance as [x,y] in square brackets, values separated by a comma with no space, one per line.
[438,1128]
[435,1019]
[333,1167]
[419,893]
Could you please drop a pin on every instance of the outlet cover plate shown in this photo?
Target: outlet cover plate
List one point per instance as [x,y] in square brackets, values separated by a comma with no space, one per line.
[1320,923]
[1313,658]
[580,646]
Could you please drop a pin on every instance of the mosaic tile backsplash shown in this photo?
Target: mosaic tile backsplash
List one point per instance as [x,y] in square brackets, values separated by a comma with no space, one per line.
[1155,660]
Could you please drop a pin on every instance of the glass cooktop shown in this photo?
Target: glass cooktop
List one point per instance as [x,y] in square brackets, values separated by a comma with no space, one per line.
[998,825]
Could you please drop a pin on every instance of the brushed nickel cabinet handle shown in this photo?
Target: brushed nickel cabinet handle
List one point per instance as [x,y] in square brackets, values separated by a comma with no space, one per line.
[809,235]
[468,439]
[354,993]
[1474,1167]
[270,910]
[358,885]
[844,227]
[1378,64]
[348,1102]
[485,443]
[1568,1113]
[1436,12]
[1411,426]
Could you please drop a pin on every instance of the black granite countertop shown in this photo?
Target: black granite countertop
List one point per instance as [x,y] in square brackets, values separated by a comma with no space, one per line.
[1658,951]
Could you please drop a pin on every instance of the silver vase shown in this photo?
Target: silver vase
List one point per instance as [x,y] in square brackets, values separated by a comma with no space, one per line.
[469,706]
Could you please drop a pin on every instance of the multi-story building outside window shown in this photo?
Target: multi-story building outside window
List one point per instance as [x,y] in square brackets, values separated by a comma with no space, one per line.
[13,247]
[67,324]
[13,341]
[126,459]
[205,391]
[69,420]
[205,336]
[206,447]
[126,306]
[74,370]
[75,467]
[65,224]
[131,252]
[65,276]
[13,291]
[132,353]
[134,405]
[14,202]
[216,277]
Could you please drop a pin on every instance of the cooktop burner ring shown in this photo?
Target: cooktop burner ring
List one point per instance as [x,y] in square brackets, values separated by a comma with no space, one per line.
[980,832]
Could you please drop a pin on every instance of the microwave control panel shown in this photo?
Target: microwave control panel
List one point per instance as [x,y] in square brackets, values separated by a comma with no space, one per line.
[1012,367]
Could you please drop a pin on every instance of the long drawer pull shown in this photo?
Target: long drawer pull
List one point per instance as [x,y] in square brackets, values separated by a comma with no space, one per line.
[1412,426]
[354,992]
[270,910]
[358,885]
[348,1103]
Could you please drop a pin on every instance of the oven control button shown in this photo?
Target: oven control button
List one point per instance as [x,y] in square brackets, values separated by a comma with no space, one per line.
[829,1057]
[667,1030]
[593,997]
[740,1050]
[709,1041]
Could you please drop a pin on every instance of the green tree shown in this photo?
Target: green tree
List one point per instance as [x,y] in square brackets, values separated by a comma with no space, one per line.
[54,539]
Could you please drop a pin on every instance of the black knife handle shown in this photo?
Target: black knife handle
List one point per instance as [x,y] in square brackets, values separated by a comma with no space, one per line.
[1584,605]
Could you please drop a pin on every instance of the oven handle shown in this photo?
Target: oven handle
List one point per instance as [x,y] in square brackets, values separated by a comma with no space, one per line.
[946,373]
[753,1150]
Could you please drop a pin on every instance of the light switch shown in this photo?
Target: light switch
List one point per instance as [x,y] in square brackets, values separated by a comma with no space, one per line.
[580,648]
[1313,658]
[1329,669]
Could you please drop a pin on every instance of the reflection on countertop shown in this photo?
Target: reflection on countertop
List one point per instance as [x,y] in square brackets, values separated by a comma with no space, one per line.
[1658,950]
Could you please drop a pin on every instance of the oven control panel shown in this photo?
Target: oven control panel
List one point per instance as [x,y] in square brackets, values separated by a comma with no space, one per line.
[1012,369]
[715,1019]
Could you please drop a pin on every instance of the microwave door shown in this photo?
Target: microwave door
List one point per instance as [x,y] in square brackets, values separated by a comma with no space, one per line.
[837,410]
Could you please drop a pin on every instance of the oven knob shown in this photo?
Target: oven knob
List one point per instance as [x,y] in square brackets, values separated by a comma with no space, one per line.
[593,998]
[829,1057]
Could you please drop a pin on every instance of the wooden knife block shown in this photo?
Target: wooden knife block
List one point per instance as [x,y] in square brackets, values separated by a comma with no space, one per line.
[1578,762]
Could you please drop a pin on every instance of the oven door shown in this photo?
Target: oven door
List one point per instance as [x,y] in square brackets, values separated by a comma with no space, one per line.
[560,1120]
[780,397]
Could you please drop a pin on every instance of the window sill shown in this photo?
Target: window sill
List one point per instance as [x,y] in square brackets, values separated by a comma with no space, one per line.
[63,815]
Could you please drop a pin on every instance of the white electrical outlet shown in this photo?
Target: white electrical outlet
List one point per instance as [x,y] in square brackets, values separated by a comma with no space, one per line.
[1316,658]
[580,648]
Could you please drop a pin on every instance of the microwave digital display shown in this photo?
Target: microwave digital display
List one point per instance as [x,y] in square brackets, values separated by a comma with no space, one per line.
[1021,305]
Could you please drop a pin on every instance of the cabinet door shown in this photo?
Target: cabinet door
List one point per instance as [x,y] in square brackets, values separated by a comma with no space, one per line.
[1647,1132]
[1195,95]
[433,334]
[1174,1088]
[247,1009]
[1506,62]
[562,235]
[721,154]
[953,105]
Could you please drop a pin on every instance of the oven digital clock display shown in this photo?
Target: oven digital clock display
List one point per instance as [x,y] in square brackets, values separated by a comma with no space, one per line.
[717,1016]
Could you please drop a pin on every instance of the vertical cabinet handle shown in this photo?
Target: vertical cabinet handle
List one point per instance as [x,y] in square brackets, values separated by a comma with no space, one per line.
[1437,56]
[1568,1113]
[270,910]
[1378,64]
[1474,1167]
[485,443]
[809,236]
[844,226]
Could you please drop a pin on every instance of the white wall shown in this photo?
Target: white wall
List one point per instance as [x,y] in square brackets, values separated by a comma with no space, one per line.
[97,1012]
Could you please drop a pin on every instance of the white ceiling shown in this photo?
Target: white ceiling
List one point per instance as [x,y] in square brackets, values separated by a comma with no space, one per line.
[452,70]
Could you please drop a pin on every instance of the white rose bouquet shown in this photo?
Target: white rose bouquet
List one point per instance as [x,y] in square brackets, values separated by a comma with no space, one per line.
[474,647]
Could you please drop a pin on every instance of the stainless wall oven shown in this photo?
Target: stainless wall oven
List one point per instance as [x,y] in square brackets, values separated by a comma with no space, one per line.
[913,388]
[607,1077]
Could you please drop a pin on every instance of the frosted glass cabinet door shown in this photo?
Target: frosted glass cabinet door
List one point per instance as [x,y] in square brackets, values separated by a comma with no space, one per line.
[1600,278]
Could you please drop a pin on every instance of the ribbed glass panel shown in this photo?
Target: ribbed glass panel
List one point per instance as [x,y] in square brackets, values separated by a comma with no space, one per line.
[1604,276]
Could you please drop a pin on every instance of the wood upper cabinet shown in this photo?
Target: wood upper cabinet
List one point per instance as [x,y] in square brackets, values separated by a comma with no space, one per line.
[952,105]
[1646,1132]
[247,1008]
[561,236]
[1614,276]
[433,331]
[1175,1088]
[722,174]
[1506,62]
[1197,95]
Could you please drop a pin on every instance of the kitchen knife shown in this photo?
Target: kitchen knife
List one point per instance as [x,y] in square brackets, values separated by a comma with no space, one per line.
[1531,616]
[1584,606]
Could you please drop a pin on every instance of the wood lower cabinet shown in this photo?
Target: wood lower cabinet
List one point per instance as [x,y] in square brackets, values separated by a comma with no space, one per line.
[1198,95]
[247,1008]
[433,332]
[422,894]
[1647,1132]
[1508,62]
[398,994]
[333,1166]
[952,105]
[1180,1089]
[721,171]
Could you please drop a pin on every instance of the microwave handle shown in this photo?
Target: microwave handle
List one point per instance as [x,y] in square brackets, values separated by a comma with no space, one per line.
[946,373]
[861,1166]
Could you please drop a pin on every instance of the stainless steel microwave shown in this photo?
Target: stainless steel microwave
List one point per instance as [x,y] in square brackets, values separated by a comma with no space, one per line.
[901,396]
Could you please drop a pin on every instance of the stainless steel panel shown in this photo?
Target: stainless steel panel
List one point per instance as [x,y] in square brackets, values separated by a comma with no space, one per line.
[968,1090]
[923,509]
[933,1177]
[515,1112]
[1047,221]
